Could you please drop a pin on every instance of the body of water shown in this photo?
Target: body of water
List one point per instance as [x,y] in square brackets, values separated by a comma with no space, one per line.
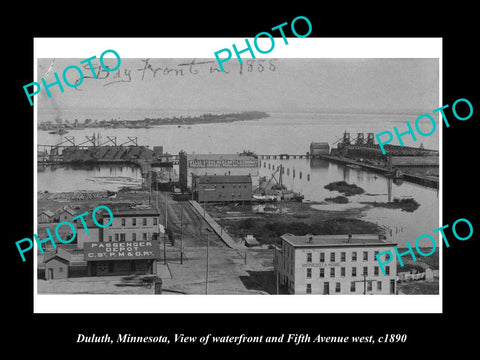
[280,133]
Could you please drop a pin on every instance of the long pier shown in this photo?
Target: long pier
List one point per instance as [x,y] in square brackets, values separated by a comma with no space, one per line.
[384,170]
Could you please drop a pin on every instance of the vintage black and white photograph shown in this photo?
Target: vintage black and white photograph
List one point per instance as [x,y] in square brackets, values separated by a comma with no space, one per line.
[167,176]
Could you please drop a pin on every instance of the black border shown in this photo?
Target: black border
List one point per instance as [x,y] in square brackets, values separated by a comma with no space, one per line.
[425,331]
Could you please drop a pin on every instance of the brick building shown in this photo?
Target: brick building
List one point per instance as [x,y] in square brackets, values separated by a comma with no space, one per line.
[207,188]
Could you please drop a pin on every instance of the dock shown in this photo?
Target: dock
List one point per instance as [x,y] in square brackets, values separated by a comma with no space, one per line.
[224,236]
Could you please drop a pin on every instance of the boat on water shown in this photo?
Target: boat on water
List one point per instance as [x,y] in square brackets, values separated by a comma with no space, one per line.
[264,198]
[58,132]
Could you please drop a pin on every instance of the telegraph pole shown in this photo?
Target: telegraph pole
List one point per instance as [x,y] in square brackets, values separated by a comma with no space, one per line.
[181,235]
[165,247]
[364,283]
[206,275]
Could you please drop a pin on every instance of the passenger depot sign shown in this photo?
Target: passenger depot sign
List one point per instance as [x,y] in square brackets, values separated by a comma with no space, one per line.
[124,250]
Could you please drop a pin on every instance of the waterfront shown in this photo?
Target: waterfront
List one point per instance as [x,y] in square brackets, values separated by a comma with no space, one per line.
[280,133]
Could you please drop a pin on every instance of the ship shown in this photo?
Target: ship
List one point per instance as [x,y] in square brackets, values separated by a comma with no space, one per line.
[58,132]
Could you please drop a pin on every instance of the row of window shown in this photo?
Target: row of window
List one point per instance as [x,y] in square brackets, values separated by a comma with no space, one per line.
[343,271]
[123,237]
[368,286]
[343,256]
[223,186]
[134,221]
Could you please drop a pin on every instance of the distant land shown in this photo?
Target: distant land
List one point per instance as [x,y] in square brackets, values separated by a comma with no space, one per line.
[207,118]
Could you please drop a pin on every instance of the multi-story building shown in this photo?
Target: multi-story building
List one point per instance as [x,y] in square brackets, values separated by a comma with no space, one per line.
[215,164]
[132,225]
[208,188]
[334,265]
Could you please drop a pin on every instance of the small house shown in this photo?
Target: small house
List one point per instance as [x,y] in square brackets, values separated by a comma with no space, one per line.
[46,216]
[65,213]
[56,264]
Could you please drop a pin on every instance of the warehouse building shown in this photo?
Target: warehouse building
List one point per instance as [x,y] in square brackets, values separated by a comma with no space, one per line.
[334,265]
[207,188]
[215,164]
[319,148]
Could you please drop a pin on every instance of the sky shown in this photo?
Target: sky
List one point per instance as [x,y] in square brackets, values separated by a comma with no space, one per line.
[277,85]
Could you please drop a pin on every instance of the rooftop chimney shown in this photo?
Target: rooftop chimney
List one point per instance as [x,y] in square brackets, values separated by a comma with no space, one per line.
[310,239]
[349,237]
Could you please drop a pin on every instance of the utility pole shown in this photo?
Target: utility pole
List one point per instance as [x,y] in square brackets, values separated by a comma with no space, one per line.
[364,283]
[166,210]
[275,267]
[165,247]
[206,275]
[181,235]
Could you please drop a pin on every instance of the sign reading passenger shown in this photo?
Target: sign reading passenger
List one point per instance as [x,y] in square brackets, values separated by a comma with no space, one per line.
[255,42]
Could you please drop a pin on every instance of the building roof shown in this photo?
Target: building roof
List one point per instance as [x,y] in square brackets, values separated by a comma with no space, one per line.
[218,157]
[223,179]
[319,144]
[57,253]
[335,240]
[49,213]
[66,208]
[133,212]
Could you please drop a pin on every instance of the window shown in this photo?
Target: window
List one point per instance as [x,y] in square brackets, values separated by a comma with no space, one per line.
[155,221]
[332,257]
[60,269]
[387,270]
[134,221]
[354,256]
[337,287]
[342,256]
[116,237]
[134,237]
[365,256]
[354,271]
[375,271]
[369,285]
[109,237]
[342,271]
[322,272]
[352,286]
[144,236]
[365,270]
[379,285]
[144,221]
[332,272]
[122,237]
[322,257]
[309,273]
[375,253]
[123,222]
[309,257]
[234,186]
[309,288]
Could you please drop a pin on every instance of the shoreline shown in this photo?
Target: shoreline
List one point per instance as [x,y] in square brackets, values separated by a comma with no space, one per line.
[180,121]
